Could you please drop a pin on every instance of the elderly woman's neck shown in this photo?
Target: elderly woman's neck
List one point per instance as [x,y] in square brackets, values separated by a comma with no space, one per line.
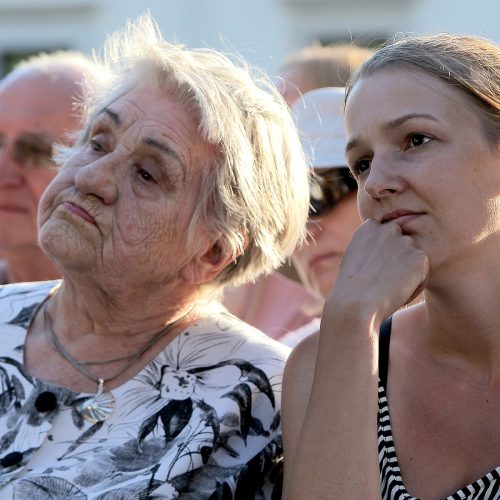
[136,312]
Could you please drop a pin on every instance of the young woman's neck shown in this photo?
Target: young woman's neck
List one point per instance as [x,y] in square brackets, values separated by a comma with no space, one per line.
[463,313]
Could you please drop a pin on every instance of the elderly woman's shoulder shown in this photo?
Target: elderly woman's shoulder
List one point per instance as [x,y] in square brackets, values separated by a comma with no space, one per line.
[18,297]
[224,326]
[9,289]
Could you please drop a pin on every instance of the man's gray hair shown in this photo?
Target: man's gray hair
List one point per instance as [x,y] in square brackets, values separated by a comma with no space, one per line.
[256,193]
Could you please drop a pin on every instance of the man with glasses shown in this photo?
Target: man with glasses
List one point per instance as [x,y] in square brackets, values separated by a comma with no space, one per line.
[37,111]
[333,215]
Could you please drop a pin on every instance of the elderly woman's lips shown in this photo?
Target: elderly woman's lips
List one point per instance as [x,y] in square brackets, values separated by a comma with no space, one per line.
[75,209]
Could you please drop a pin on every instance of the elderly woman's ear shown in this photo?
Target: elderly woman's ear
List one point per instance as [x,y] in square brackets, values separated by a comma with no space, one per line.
[209,262]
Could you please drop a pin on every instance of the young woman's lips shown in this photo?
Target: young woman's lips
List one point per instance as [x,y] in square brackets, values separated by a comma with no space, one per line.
[79,211]
[401,217]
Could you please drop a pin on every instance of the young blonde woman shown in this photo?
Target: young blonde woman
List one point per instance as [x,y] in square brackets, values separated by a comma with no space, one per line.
[412,411]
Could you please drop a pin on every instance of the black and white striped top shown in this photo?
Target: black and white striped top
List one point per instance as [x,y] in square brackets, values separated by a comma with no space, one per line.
[392,487]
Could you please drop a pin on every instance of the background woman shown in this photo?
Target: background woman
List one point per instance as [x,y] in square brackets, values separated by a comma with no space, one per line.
[423,122]
[333,214]
[126,379]
[278,304]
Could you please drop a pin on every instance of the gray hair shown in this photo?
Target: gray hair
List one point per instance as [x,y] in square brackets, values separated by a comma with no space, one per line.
[256,196]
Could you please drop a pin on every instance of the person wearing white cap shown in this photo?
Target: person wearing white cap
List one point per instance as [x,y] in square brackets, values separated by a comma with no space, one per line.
[333,216]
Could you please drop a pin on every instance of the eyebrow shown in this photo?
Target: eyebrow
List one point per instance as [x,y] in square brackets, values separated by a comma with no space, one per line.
[399,121]
[164,148]
[391,125]
[114,116]
[41,137]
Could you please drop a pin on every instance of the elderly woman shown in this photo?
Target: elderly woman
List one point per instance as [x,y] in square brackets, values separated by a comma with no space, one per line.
[126,379]
[412,411]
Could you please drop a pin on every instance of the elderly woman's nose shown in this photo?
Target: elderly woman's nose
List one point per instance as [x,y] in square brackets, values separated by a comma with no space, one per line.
[99,178]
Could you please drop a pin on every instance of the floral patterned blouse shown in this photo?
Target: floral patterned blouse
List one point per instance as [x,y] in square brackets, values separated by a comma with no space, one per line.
[202,420]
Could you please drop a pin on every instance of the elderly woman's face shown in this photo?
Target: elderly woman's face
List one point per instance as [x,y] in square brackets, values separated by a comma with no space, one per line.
[123,202]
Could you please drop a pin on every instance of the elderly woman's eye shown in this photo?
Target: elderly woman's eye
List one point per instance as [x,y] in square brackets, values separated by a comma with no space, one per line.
[95,146]
[145,175]
[415,140]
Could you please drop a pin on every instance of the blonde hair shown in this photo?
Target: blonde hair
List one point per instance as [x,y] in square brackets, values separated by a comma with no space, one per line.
[468,63]
[256,194]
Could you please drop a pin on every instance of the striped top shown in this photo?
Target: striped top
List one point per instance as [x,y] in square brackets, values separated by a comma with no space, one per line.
[392,487]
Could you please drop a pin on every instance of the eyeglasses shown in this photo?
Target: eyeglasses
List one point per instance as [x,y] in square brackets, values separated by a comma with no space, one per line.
[328,188]
[30,150]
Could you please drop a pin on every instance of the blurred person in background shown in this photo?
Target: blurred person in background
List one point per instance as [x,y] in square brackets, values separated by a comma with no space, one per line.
[333,213]
[127,379]
[278,303]
[319,66]
[37,111]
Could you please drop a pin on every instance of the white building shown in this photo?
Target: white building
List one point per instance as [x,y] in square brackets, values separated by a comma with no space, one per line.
[262,31]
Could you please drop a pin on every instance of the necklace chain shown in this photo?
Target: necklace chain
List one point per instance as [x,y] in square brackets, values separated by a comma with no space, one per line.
[80,365]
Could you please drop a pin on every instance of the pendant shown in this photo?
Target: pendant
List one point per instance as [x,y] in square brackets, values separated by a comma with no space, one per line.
[99,407]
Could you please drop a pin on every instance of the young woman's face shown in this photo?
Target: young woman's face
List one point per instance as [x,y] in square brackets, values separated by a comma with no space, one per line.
[419,152]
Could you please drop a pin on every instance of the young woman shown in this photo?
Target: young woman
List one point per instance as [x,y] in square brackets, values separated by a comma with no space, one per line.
[419,417]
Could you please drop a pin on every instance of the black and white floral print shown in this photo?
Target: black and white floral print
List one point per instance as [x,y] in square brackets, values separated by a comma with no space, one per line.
[202,420]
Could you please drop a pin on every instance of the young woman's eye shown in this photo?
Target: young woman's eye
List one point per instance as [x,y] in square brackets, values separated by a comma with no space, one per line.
[360,166]
[415,140]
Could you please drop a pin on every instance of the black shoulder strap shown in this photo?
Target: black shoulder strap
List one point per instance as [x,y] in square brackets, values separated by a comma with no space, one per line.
[383,350]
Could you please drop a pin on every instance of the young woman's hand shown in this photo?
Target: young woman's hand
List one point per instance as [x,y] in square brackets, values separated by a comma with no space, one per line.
[381,271]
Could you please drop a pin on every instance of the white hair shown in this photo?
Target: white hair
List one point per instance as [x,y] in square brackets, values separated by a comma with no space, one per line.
[256,195]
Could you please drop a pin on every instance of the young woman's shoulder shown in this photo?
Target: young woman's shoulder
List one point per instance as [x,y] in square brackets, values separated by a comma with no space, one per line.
[302,359]
[297,383]
[410,320]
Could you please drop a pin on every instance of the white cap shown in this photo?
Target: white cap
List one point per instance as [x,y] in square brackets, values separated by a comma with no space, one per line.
[319,117]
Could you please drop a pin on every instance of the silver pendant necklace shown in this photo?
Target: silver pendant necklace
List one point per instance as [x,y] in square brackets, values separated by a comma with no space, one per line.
[100,406]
